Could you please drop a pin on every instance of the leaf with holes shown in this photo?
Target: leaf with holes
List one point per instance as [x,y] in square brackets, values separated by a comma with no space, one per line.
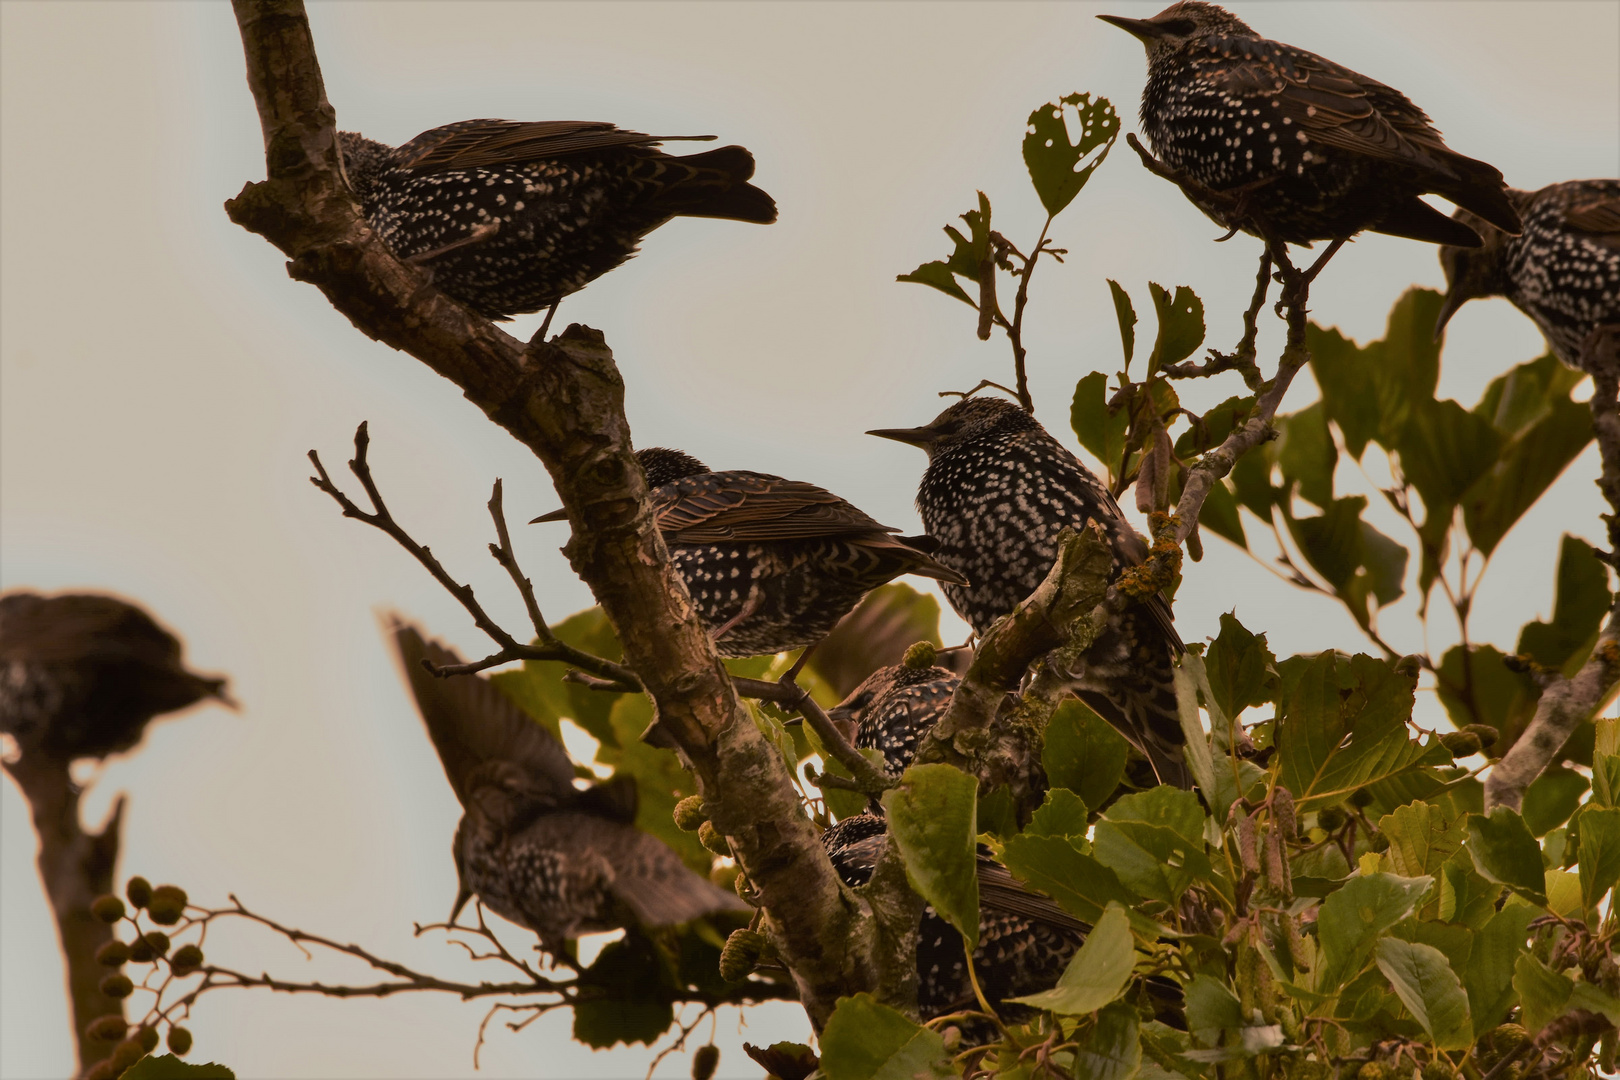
[1101,433]
[1181,325]
[1058,167]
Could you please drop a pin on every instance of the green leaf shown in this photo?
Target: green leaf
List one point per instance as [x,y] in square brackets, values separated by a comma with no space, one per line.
[1125,312]
[1331,542]
[1488,975]
[1081,885]
[1444,450]
[866,1040]
[1349,394]
[1097,974]
[1083,753]
[1523,470]
[627,995]
[1504,852]
[538,688]
[1057,167]
[1251,482]
[1114,1049]
[1062,813]
[937,275]
[1551,798]
[1563,891]
[1353,918]
[1543,992]
[1429,989]
[1371,391]
[1384,564]
[1487,692]
[1422,836]
[932,819]
[1343,726]
[1242,671]
[1181,325]
[1599,854]
[1466,897]
[1580,601]
[1101,433]
[1584,995]
[169,1067]
[1212,1007]
[1220,515]
[606,1021]
[1524,396]
[1306,454]
[1154,841]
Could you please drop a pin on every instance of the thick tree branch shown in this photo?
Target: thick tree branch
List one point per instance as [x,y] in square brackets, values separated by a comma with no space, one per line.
[564,399]
[76,867]
[1565,704]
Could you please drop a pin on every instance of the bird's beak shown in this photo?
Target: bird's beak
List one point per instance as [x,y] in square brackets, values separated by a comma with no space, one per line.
[1145,30]
[839,714]
[1455,299]
[912,436]
[555,515]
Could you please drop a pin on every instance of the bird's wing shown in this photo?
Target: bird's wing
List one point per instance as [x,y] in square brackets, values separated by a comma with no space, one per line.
[1597,216]
[470,721]
[478,143]
[82,627]
[727,507]
[651,880]
[999,890]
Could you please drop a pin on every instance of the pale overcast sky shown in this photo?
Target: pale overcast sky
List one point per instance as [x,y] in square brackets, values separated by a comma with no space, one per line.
[162,379]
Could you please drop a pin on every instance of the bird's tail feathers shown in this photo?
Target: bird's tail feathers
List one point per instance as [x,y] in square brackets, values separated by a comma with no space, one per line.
[662,891]
[1147,716]
[719,187]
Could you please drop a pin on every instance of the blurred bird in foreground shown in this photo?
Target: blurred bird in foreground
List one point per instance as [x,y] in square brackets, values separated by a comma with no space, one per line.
[81,676]
[1311,148]
[559,860]
[997,492]
[1563,270]
[771,564]
[511,217]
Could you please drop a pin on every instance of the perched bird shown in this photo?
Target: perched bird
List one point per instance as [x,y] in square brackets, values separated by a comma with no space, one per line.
[894,708]
[771,564]
[1563,271]
[1025,940]
[1315,150]
[81,676]
[511,217]
[997,492]
[560,860]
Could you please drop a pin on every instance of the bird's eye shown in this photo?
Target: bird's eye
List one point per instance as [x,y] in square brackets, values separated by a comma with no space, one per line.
[1180,27]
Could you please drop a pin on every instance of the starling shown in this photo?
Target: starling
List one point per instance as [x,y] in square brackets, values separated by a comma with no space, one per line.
[997,492]
[1025,940]
[771,564]
[894,708]
[510,217]
[559,860]
[80,676]
[1312,149]
[1563,271]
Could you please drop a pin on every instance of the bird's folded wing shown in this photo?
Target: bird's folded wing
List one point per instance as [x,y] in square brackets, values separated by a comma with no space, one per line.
[1599,216]
[653,882]
[482,143]
[743,506]
[999,890]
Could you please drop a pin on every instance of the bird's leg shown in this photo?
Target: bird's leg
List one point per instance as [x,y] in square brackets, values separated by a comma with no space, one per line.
[791,675]
[1322,261]
[750,606]
[540,334]
[477,236]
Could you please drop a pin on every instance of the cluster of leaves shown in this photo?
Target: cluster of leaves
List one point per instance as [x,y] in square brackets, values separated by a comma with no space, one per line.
[1336,898]
[166,960]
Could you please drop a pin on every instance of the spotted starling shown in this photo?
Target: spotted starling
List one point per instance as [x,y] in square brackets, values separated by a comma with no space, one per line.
[559,860]
[771,564]
[511,217]
[81,676]
[1025,940]
[1563,271]
[997,492]
[894,708]
[1314,150]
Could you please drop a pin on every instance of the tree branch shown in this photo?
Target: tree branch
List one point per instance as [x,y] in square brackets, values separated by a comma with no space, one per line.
[564,399]
[1565,704]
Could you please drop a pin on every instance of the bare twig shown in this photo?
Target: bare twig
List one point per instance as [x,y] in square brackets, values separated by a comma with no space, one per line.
[1242,358]
[1565,704]
[502,551]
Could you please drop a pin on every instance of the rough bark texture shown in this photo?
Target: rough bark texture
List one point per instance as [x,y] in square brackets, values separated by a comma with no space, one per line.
[76,867]
[1565,704]
[564,399]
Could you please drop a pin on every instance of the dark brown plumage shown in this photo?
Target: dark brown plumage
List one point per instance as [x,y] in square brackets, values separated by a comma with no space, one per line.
[894,708]
[81,676]
[1317,151]
[511,216]
[771,564]
[1563,270]
[559,860]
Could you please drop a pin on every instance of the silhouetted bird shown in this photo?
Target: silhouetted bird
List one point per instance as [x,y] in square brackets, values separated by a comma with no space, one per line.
[1317,151]
[771,564]
[1025,940]
[894,708]
[81,676]
[1563,271]
[997,492]
[511,217]
[535,849]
